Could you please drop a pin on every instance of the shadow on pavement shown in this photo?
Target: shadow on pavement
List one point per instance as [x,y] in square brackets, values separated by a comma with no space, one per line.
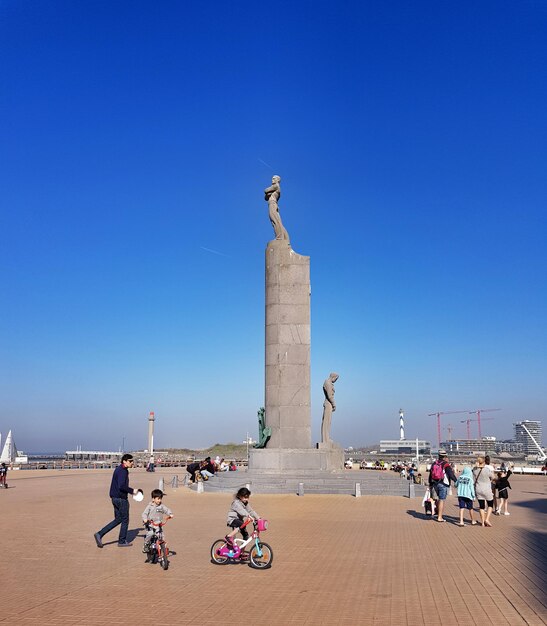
[537,540]
[539,504]
[422,516]
[133,533]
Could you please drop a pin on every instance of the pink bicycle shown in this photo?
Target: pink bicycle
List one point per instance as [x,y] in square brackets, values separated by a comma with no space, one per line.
[259,556]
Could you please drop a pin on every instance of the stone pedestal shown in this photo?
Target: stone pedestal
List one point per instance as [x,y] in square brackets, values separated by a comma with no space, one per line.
[287,384]
[296,459]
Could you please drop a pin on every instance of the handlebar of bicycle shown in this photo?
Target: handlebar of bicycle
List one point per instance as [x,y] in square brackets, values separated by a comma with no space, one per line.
[159,524]
[251,519]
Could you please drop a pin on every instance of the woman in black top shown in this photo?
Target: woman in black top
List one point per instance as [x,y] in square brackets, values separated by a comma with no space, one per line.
[503,486]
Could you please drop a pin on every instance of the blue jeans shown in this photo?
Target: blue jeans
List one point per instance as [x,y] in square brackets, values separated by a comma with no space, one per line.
[206,473]
[121,516]
[441,489]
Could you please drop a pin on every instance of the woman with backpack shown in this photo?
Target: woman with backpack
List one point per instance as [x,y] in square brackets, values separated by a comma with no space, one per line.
[482,476]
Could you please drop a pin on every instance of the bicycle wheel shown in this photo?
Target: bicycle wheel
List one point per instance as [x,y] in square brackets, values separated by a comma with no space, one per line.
[164,559]
[261,562]
[215,556]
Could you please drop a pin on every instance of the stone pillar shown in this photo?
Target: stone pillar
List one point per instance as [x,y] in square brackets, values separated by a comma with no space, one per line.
[287,384]
[287,376]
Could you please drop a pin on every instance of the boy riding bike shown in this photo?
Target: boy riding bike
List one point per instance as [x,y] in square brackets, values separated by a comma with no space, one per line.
[154,512]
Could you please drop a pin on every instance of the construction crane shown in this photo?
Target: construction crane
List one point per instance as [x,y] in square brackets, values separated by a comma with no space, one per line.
[468,421]
[449,428]
[478,412]
[438,415]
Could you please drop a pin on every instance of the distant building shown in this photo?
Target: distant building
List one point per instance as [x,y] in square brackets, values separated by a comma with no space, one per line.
[92,455]
[509,446]
[469,446]
[521,436]
[404,446]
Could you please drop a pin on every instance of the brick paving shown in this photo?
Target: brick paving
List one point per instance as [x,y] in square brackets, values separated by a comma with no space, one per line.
[338,560]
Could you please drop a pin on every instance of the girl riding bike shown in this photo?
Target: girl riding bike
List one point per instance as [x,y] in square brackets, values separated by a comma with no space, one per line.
[239,512]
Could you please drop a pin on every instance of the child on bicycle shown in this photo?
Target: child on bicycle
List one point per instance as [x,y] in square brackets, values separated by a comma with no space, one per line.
[239,512]
[154,512]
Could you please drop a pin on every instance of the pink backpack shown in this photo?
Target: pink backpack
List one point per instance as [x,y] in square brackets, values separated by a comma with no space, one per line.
[437,471]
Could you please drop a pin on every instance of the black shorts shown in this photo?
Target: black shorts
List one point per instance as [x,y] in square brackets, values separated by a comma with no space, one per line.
[238,523]
[503,493]
[482,503]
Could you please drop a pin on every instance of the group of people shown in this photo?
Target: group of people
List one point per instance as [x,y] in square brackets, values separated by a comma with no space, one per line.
[155,512]
[408,471]
[203,470]
[482,482]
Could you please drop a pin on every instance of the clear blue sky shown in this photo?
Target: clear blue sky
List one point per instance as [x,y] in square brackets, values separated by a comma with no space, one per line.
[136,139]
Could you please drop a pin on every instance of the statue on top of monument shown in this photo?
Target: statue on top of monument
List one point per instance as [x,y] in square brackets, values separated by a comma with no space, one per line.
[328,407]
[272,195]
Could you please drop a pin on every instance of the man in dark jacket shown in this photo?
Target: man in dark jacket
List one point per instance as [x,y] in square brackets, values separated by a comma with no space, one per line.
[119,489]
[440,475]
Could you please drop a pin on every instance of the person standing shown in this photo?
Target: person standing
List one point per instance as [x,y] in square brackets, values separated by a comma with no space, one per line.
[502,485]
[489,465]
[483,475]
[119,490]
[440,475]
[466,494]
[4,475]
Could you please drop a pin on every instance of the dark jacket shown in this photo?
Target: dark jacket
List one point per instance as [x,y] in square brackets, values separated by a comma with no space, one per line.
[119,487]
[193,467]
[503,482]
[449,472]
[210,467]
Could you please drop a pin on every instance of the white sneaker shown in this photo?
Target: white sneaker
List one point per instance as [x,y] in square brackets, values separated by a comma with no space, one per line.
[506,513]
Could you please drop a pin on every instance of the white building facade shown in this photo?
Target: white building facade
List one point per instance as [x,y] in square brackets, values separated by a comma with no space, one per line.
[522,436]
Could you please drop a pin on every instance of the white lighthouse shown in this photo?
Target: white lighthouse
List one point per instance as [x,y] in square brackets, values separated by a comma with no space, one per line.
[151,419]
[401,424]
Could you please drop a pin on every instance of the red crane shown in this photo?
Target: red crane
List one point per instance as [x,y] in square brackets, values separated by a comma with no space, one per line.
[438,414]
[478,412]
[449,428]
[467,421]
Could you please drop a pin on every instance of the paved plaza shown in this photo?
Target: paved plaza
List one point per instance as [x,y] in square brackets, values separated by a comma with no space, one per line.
[337,560]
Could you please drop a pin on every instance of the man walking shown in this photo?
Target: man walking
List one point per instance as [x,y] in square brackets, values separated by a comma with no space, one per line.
[119,489]
[440,475]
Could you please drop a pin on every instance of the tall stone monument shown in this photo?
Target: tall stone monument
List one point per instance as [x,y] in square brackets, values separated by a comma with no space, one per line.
[287,357]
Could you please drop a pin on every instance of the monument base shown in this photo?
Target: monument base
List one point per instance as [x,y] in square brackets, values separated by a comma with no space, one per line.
[329,459]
